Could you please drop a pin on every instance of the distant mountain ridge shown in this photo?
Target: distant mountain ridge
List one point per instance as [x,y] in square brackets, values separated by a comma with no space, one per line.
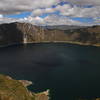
[64,27]
[16,32]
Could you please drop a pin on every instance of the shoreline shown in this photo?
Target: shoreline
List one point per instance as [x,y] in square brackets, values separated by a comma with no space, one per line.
[1,46]
[65,42]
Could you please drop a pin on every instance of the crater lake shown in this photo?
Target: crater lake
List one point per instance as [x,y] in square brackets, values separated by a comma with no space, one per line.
[68,70]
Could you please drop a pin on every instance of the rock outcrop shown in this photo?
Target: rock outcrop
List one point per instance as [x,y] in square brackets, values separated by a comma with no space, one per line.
[28,33]
[11,89]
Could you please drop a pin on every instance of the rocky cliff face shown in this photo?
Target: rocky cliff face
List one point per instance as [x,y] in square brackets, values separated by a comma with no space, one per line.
[24,32]
[9,34]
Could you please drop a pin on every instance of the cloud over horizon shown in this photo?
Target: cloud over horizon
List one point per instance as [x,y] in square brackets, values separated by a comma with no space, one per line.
[64,10]
[68,10]
[84,2]
[17,6]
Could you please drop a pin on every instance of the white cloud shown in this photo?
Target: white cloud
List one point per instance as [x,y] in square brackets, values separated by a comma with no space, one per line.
[53,20]
[77,11]
[17,6]
[84,2]
[1,16]
[71,11]
[7,20]
[33,20]
[50,20]
[59,20]
[96,21]
[39,12]
[38,21]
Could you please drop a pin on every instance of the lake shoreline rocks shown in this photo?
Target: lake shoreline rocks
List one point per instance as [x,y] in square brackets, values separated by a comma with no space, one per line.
[70,43]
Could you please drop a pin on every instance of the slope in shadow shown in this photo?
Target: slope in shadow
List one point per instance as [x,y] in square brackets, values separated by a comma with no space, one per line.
[10,34]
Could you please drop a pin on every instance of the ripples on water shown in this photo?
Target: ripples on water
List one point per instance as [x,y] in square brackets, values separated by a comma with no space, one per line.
[68,70]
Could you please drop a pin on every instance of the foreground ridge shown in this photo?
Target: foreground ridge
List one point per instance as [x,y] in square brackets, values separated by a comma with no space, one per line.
[11,89]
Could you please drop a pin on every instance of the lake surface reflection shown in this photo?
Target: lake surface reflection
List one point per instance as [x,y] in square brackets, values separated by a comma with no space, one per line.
[67,70]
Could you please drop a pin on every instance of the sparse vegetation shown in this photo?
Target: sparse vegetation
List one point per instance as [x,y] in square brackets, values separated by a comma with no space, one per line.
[11,89]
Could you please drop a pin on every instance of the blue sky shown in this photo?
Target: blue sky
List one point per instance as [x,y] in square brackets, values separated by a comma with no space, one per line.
[85,12]
[21,15]
[89,20]
[26,14]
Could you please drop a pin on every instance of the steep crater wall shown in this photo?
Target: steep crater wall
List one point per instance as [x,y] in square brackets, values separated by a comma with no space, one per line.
[27,33]
[10,34]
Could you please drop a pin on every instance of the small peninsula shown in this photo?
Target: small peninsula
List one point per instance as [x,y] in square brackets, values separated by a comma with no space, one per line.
[11,89]
[16,33]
